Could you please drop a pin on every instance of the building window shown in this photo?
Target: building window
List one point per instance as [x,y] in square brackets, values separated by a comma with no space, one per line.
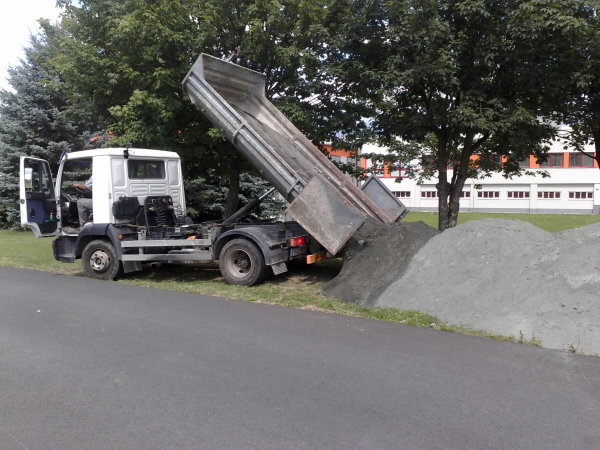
[496,160]
[581,160]
[488,194]
[525,163]
[547,194]
[554,160]
[374,166]
[518,194]
[464,194]
[427,162]
[402,194]
[398,171]
[581,195]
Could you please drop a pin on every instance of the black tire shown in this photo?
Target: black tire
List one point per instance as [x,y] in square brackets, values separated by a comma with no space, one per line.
[241,262]
[99,261]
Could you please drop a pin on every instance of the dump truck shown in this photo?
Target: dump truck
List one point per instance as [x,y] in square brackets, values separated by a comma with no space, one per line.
[138,213]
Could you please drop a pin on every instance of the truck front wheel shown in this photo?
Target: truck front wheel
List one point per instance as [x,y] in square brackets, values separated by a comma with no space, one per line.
[99,260]
[241,262]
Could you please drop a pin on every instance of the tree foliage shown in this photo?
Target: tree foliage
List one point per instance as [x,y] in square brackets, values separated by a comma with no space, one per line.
[581,105]
[465,83]
[129,58]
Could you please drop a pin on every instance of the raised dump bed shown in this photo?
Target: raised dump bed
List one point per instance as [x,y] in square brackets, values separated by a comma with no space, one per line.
[322,199]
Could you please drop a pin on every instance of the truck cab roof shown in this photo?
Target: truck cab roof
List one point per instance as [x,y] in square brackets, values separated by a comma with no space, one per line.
[119,151]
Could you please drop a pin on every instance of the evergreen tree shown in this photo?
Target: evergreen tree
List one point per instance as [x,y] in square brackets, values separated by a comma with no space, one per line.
[33,123]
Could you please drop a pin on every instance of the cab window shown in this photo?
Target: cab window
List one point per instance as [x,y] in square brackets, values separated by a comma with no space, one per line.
[145,169]
[76,171]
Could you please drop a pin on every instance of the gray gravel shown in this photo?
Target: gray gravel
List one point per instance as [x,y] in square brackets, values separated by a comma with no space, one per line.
[510,278]
[375,257]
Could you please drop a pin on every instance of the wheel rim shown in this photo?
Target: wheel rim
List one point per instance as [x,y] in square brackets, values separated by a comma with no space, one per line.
[99,261]
[239,264]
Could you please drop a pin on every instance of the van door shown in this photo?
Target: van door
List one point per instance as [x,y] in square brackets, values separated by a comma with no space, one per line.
[37,198]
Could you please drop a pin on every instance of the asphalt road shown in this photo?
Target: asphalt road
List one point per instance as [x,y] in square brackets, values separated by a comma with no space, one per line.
[92,364]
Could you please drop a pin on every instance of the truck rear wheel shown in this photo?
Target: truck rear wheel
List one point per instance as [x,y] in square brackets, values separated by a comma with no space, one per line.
[99,260]
[241,262]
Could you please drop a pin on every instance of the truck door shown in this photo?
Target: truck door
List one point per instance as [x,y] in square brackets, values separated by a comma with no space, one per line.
[37,198]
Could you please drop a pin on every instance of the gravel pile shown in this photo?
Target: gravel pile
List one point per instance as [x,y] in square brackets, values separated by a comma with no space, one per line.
[375,257]
[507,277]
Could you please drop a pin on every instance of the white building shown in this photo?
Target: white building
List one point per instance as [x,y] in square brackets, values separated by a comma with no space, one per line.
[573,187]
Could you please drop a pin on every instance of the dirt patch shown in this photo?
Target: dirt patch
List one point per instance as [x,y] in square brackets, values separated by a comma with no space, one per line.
[510,278]
[375,257]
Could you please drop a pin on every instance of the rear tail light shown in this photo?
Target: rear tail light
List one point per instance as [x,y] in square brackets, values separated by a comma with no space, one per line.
[297,242]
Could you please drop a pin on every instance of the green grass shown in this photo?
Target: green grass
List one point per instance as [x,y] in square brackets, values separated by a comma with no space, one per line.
[300,288]
[22,249]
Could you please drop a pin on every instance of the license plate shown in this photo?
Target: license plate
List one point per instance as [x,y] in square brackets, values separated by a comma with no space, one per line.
[295,251]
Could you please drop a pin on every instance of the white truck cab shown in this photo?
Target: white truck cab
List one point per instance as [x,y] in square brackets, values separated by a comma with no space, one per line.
[51,209]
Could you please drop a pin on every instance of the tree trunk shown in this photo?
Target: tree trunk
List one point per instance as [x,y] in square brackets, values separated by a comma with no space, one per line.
[233,196]
[454,206]
[459,177]
[449,192]
[443,189]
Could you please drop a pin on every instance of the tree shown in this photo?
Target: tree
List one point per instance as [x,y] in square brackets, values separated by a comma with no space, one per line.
[581,110]
[33,123]
[462,83]
[129,57]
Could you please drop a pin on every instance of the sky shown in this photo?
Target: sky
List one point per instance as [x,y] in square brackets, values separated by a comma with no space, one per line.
[17,19]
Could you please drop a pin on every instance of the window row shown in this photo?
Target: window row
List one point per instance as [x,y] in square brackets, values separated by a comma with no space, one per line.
[434,194]
[376,169]
[518,194]
[510,194]
[548,194]
[575,160]
[581,195]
